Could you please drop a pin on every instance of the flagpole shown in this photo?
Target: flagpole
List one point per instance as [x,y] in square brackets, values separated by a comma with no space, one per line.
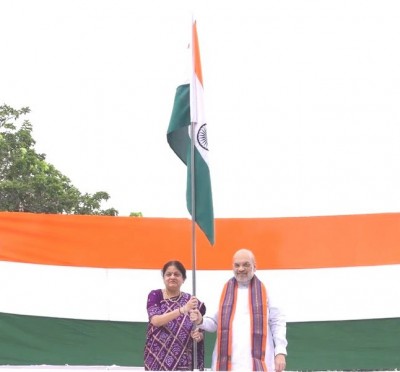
[193,189]
[193,114]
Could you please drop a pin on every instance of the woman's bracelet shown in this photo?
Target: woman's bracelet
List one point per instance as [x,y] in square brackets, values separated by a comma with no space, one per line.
[183,312]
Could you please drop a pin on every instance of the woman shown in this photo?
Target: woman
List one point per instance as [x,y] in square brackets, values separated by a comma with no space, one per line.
[170,335]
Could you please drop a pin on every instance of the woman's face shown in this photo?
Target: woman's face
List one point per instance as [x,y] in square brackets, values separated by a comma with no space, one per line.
[173,278]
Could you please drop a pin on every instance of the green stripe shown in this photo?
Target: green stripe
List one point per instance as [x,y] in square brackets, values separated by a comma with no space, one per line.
[203,195]
[177,133]
[346,345]
[29,340]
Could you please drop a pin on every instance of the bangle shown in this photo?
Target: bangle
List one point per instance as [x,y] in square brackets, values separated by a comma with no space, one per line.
[179,309]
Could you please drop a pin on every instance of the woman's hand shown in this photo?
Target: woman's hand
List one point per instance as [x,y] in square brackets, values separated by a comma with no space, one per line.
[191,305]
[197,335]
[196,317]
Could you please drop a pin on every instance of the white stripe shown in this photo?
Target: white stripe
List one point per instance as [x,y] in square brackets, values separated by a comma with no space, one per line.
[197,112]
[121,294]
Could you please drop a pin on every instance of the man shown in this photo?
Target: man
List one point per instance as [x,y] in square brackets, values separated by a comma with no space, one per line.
[251,332]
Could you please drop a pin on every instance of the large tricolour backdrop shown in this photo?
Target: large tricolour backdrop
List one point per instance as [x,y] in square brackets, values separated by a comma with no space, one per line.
[74,288]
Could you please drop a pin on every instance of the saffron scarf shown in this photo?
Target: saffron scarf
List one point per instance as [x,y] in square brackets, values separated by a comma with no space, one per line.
[258,321]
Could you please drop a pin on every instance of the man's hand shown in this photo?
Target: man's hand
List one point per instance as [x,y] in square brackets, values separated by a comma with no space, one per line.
[280,362]
[197,335]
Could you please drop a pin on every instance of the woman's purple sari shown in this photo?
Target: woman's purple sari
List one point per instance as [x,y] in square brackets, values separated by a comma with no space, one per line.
[170,347]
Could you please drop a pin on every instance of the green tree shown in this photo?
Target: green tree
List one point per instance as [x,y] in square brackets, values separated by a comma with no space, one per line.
[29,183]
[135,214]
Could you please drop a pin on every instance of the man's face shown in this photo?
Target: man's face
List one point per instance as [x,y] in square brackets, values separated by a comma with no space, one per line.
[243,267]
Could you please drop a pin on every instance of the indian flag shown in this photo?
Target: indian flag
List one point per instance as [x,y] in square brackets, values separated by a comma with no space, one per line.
[74,288]
[187,124]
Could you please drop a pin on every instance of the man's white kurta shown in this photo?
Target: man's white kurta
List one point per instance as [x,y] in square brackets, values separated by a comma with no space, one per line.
[241,333]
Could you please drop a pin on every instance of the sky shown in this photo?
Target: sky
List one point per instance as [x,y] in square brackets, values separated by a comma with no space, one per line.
[302,100]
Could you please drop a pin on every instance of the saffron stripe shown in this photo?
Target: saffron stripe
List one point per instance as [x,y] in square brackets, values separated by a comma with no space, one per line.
[278,243]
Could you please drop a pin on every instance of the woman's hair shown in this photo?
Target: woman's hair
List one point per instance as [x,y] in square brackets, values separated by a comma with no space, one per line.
[178,265]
